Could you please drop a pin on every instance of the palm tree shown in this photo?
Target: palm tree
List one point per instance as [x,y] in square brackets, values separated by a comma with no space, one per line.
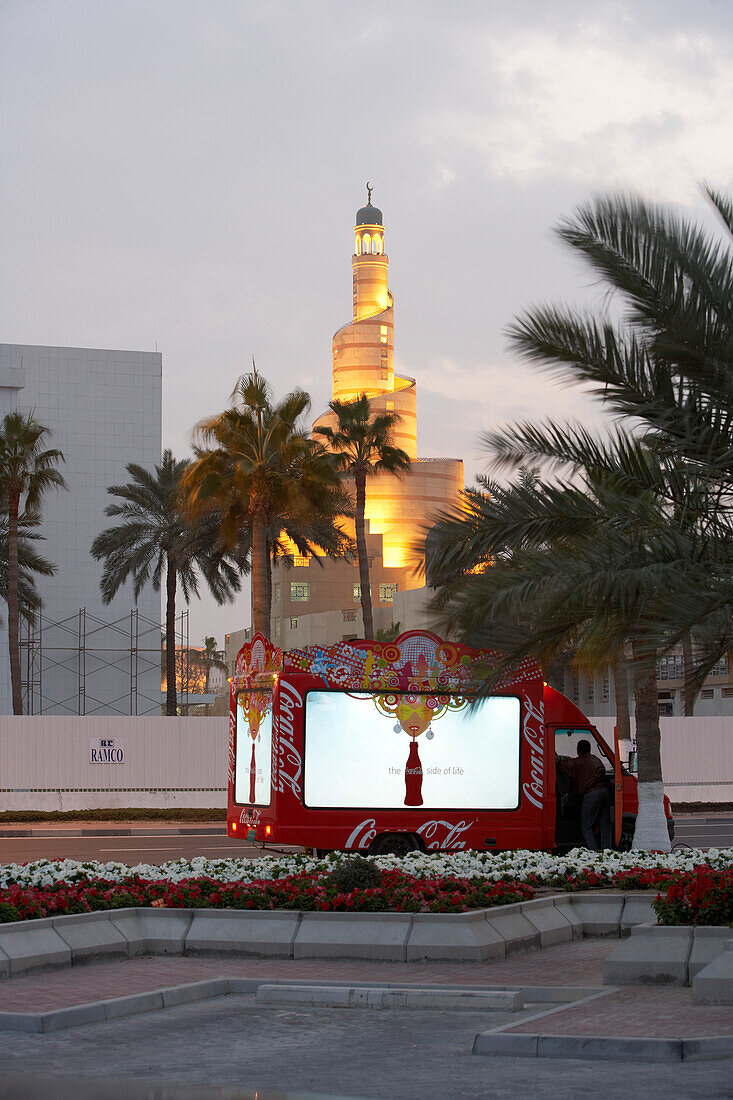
[213,658]
[256,467]
[669,365]
[657,567]
[587,565]
[30,562]
[361,444]
[27,471]
[157,537]
[316,535]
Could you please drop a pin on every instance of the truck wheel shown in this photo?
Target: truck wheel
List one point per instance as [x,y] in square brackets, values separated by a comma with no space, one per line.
[394,844]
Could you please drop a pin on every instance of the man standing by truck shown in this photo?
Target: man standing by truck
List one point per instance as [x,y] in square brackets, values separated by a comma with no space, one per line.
[588,777]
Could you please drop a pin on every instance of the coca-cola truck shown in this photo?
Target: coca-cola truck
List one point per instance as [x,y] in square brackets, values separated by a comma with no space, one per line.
[379,747]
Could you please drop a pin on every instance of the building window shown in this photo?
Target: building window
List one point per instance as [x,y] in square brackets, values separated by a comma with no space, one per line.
[377,246]
[576,689]
[300,591]
[390,406]
[671,667]
[357,592]
[385,375]
[366,241]
[277,628]
[276,593]
[606,687]
[349,616]
[666,709]
[387,592]
[590,691]
[384,353]
[707,693]
[727,693]
[293,624]
[721,668]
[300,561]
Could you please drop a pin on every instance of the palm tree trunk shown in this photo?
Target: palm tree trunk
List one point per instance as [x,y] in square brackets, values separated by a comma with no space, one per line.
[651,824]
[260,616]
[361,549]
[13,613]
[621,692]
[687,693]
[171,700]
[269,589]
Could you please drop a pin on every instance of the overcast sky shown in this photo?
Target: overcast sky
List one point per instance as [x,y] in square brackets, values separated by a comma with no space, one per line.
[184,175]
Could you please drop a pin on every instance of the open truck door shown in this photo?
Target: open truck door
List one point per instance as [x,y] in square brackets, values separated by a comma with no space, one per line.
[565,725]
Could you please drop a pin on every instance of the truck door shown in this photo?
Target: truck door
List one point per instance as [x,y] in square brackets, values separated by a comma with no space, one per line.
[567,803]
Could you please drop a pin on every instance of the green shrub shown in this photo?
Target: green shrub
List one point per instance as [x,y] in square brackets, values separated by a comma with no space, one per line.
[356,873]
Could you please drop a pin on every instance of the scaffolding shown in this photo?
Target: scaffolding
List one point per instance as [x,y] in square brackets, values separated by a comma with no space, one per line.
[85,665]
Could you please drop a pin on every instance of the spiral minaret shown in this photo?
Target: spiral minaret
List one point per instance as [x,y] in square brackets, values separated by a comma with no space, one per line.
[363,349]
[318,604]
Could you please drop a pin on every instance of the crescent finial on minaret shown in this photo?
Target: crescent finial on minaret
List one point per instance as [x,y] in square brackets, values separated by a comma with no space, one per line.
[369,193]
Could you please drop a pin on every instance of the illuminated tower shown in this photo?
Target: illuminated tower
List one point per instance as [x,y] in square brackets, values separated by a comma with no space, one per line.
[363,350]
[363,362]
[317,604]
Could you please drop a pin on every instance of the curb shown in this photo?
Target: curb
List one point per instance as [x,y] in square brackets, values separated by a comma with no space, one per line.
[116,1008]
[324,994]
[150,830]
[382,997]
[621,1049]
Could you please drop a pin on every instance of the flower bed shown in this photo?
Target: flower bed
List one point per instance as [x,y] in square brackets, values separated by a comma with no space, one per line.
[703,896]
[396,892]
[437,882]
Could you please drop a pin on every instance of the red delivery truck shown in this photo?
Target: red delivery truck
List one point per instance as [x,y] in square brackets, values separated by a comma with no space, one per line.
[375,747]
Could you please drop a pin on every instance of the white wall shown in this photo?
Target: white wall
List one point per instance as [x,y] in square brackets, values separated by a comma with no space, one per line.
[169,762]
[697,757]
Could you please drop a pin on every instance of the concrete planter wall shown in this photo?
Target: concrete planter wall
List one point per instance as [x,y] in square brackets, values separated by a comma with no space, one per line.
[679,955]
[402,937]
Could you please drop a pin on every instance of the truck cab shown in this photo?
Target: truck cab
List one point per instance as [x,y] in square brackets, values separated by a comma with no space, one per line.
[565,726]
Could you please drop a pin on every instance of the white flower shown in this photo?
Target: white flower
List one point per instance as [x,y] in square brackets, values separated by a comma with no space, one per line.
[460,864]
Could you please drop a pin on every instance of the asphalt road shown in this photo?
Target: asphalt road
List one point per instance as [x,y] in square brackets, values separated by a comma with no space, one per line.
[408,1055]
[155,844]
[151,846]
[704,831]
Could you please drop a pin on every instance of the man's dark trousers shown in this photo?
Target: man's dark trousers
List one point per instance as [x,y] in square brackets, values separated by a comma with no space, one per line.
[595,811]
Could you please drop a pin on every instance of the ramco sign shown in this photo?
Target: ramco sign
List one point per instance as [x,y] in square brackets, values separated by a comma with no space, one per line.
[106,750]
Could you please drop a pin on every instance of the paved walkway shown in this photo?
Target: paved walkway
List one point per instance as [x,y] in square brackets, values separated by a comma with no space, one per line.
[652,1012]
[636,1011]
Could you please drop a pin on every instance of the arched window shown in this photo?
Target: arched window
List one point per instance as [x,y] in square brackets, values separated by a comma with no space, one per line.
[365,243]
[377,246]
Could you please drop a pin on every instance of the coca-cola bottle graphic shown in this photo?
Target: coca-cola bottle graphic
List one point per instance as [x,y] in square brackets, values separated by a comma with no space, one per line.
[413,777]
[252,774]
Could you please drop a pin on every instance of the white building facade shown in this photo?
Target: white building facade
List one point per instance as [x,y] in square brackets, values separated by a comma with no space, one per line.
[104,411]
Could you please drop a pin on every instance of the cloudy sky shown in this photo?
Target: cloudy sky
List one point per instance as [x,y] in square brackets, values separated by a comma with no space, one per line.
[184,175]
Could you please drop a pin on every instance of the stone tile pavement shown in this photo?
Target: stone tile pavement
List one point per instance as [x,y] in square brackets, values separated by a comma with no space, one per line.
[635,1010]
[654,1013]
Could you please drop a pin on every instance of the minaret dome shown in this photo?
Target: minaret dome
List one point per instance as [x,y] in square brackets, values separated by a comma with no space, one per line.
[369,229]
